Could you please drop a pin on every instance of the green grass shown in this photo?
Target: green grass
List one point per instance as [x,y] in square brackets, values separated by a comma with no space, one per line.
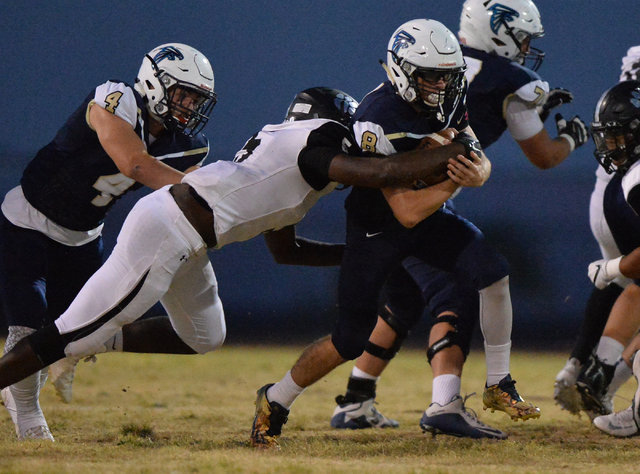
[153,413]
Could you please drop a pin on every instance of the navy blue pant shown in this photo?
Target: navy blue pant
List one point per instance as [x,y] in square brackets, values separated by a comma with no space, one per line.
[39,277]
[445,240]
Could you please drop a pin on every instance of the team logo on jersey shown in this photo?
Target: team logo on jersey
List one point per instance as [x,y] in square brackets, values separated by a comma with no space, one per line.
[635,101]
[168,52]
[501,15]
[402,40]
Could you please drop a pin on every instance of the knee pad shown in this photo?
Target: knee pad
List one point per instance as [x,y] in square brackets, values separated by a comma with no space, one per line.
[48,344]
[452,338]
[398,326]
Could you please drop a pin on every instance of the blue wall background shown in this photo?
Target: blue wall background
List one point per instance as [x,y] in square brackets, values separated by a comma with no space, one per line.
[262,54]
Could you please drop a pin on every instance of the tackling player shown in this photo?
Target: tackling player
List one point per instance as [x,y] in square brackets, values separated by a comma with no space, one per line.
[161,252]
[120,138]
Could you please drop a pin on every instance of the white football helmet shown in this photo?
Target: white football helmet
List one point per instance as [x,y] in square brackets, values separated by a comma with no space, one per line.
[425,48]
[501,27]
[180,65]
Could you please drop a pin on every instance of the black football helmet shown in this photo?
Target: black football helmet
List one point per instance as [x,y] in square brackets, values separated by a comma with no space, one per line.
[322,102]
[616,127]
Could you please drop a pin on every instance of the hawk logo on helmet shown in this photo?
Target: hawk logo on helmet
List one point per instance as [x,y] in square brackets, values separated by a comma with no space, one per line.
[168,52]
[402,40]
[635,101]
[501,15]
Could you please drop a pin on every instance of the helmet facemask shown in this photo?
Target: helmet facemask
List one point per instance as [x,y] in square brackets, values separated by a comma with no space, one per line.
[617,145]
[424,81]
[531,57]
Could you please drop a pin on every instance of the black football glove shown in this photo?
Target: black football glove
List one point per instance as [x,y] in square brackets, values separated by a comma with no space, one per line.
[555,98]
[574,130]
[470,143]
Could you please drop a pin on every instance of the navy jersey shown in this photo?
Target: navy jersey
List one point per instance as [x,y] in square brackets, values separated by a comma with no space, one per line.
[73,181]
[385,124]
[491,80]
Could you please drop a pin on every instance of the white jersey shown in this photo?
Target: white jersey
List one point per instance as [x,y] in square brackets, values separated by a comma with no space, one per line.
[264,188]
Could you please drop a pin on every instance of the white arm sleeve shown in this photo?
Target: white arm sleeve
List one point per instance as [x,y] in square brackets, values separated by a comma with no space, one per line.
[522,118]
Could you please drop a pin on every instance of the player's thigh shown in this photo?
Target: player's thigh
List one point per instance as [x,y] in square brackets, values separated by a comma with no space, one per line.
[68,271]
[23,263]
[194,306]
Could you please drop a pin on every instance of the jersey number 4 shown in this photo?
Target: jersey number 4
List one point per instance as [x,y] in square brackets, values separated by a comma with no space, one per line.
[110,186]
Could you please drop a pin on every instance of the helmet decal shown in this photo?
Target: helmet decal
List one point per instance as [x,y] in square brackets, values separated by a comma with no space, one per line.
[501,14]
[635,98]
[402,40]
[168,52]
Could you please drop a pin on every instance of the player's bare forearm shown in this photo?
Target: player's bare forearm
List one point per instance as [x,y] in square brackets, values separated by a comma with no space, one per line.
[426,165]
[289,249]
[129,153]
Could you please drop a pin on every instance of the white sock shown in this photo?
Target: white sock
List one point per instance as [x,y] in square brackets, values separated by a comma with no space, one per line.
[361,374]
[284,392]
[609,350]
[497,362]
[620,376]
[444,388]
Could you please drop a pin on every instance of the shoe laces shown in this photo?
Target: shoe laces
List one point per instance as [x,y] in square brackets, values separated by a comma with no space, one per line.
[508,385]
[470,412]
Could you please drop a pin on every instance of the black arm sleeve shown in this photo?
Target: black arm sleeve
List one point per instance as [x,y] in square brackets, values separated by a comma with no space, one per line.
[323,144]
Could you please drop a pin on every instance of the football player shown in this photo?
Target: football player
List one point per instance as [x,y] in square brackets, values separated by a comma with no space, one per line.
[424,99]
[503,95]
[582,360]
[616,135]
[120,138]
[161,252]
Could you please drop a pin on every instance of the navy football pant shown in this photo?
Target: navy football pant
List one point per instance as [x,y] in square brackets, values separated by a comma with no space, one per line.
[39,277]
[445,240]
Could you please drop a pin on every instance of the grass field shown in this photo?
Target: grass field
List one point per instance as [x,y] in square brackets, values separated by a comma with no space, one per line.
[153,413]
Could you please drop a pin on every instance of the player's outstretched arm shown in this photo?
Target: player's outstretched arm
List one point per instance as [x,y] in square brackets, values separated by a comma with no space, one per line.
[128,151]
[426,165]
[289,249]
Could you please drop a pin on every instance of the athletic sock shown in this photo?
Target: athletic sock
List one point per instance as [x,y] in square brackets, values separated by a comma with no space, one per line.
[284,392]
[444,388]
[497,362]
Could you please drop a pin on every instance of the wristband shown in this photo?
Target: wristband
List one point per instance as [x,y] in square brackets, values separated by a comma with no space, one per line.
[569,138]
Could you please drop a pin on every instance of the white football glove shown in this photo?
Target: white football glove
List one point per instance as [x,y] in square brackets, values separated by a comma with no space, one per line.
[602,272]
[574,131]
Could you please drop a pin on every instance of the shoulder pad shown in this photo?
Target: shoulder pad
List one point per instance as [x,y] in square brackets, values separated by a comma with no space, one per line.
[533,92]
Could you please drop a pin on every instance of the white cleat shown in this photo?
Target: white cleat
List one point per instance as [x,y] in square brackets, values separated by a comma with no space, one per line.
[621,424]
[626,422]
[10,404]
[62,372]
[61,375]
[564,392]
[359,415]
[37,432]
